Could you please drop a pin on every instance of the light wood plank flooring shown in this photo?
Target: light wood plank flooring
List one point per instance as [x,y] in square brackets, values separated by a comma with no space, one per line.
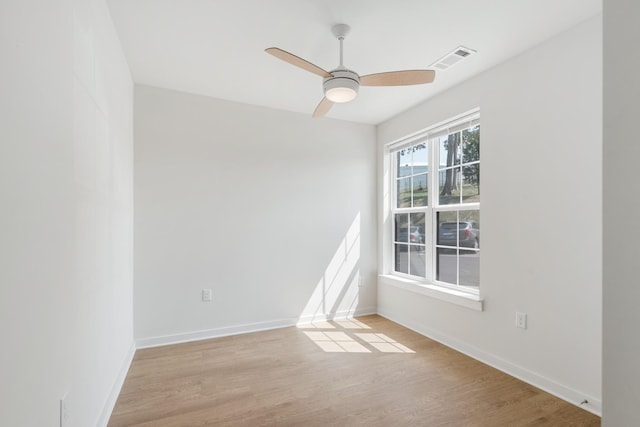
[367,371]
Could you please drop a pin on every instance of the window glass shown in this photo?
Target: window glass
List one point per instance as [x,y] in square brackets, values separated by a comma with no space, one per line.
[449,186]
[404,162]
[402,260]
[402,228]
[403,192]
[420,190]
[449,150]
[459,238]
[471,145]
[412,176]
[420,158]
[448,229]
[471,183]
[447,265]
[416,235]
[469,268]
[416,261]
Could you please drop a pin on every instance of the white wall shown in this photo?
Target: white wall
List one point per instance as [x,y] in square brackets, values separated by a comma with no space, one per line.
[66,134]
[541,217]
[273,211]
[621,370]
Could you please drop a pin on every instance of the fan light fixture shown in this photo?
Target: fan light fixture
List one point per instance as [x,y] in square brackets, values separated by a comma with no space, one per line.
[342,86]
[340,94]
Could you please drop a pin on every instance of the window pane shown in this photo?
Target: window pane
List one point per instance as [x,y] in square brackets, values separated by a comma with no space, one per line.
[449,186]
[469,268]
[420,158]
[447,265]
[417,264]
[450,150]
[469,229]
[416,234]
[402,258]
[404,192]
[471,145]
[402,228]
[420,190]
[448,228]
[471,183]
[403,165]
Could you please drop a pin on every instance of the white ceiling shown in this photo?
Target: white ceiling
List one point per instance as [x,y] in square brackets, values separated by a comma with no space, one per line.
[216,47]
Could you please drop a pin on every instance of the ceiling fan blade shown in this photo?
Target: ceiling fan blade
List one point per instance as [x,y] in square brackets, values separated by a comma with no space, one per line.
[297,61]
[323,108]
[398,78]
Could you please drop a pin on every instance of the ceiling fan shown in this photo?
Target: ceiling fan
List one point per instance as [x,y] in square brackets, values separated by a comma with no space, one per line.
[341,85]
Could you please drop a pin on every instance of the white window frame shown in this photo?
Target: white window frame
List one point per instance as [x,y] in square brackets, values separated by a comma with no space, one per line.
[428,136]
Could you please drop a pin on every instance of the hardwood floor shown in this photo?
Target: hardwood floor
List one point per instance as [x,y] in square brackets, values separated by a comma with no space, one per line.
[367,371]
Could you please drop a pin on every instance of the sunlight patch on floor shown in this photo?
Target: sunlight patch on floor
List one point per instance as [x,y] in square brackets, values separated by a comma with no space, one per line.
[351,324]
[384,344]
[336,342]
[336,337]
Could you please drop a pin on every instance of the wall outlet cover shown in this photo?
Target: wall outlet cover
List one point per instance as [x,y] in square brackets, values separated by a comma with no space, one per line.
[521,320]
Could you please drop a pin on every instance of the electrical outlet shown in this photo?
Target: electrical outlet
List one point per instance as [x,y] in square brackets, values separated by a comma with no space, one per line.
[64,411]
[361,282]
[207,295]
[521,320]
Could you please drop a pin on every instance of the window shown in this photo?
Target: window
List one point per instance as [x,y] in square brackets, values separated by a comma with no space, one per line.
[436,205]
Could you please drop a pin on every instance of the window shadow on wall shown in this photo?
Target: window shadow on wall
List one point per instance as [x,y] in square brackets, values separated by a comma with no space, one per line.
[337,291]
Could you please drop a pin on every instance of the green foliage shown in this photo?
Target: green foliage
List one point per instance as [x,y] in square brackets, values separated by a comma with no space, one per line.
[412,149]
[471,153]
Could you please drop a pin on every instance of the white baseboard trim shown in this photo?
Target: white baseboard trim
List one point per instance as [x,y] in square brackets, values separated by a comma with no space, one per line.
[103,420]
[244,329]
[212,333]
[310,318]
[568,394]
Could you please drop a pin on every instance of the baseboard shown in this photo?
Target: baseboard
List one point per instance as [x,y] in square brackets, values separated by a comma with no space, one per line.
[103,420]
[310,318]
[561,391]
[212,333]
[245,328]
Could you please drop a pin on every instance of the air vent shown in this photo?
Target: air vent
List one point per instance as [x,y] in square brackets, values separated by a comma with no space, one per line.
[452,58]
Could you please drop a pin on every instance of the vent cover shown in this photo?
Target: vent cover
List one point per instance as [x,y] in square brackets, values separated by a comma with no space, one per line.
[452,58]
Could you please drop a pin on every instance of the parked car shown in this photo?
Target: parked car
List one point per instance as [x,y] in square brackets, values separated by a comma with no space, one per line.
[416,235]
[466,232]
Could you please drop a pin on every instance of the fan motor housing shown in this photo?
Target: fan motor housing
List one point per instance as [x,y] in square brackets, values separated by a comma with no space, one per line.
[342,86]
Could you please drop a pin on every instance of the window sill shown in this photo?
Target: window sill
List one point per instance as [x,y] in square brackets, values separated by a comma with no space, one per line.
[473,302]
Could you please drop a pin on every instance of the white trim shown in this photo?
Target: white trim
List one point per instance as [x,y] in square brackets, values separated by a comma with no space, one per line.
[244,329]
[107,409]
[470,117]
[338,315]
[561,391]
[460,207]
[453,296]
[211,333]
